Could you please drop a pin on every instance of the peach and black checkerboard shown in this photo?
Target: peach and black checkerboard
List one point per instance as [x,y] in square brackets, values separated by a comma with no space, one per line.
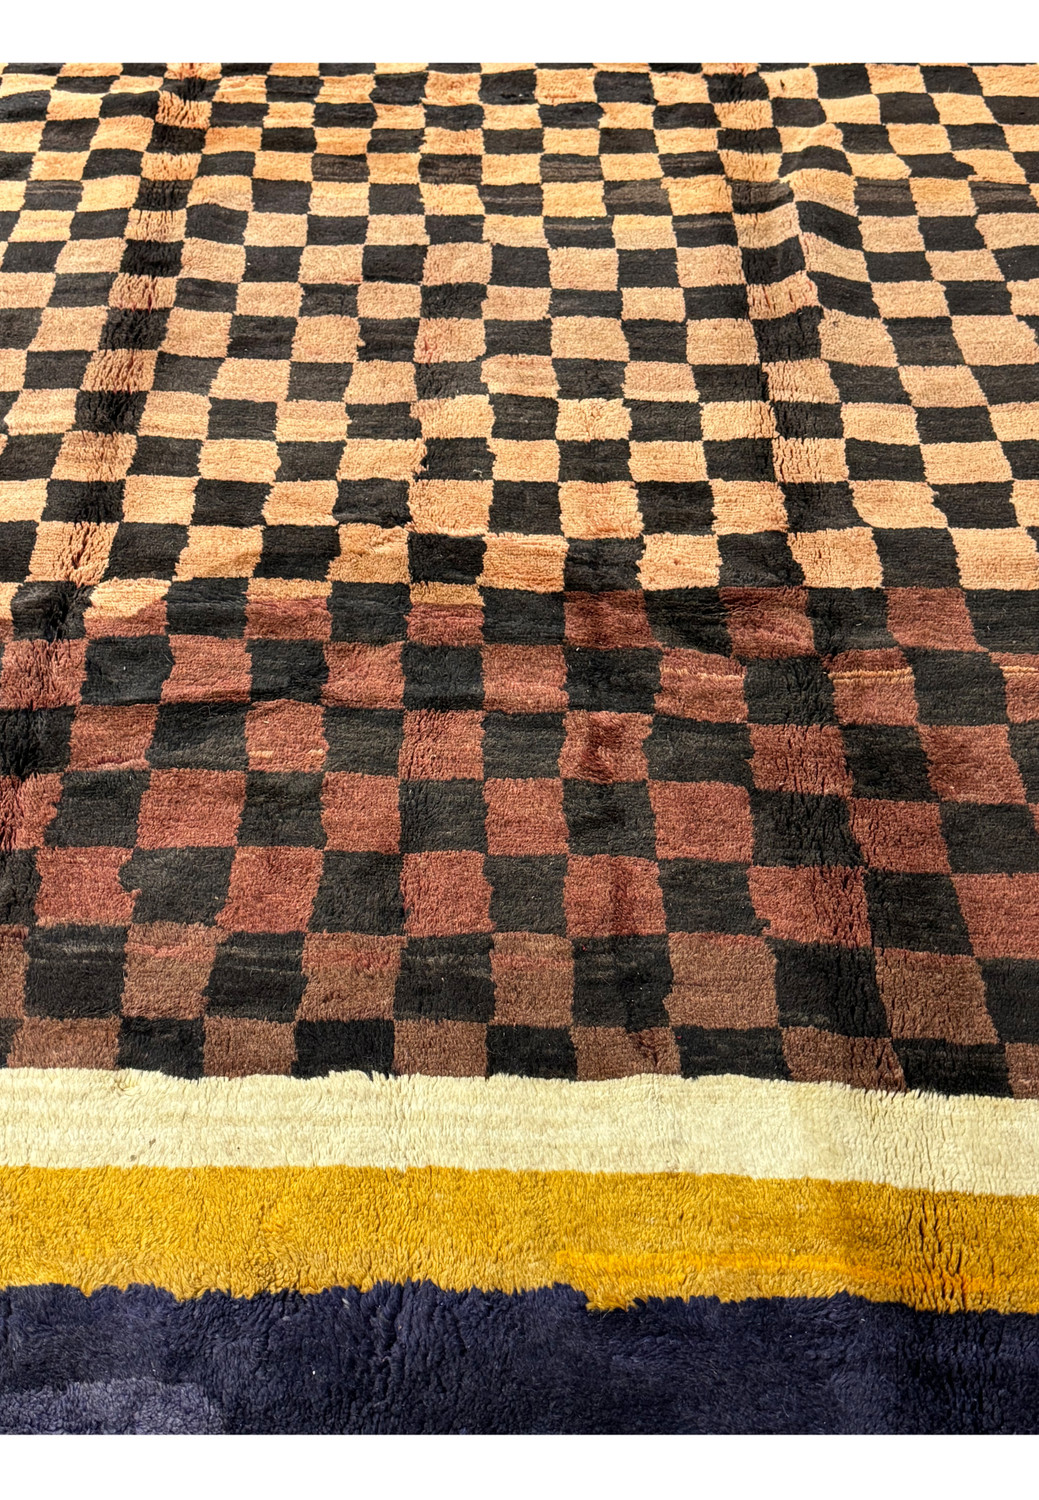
[524,570]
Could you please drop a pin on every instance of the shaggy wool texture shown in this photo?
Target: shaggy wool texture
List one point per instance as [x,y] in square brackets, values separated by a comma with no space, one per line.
[519,748]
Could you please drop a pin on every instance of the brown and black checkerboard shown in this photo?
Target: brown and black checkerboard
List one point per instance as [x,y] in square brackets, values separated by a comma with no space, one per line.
[521,570]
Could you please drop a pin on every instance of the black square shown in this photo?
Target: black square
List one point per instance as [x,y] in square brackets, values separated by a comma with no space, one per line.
[522,618]
[444,559]
[178,885]
[145,550]
[1012,997]
[364,740]
[342,1047]
[944,1068]
[522,745]
[207,736]
[287,669]
[694,750]
[924,341]
[883,460]
[161,1046]
[206,606]
[1005,619]
[922,558]
[74,971]
[531,1051]
[257,975]
[707,896]
[958,687]
[373,502]
[446,979]
[34,740]
[17,539]
[887,760]
[620,681]
[98,807]
[759,560]
[755,1053]
[282,807]
[610,818]
[529,508]
[442,676]
[990,838]
[918,912]
[690,617]
[801,828]
[680,509]
[442,815]
[359,893]
[601,567]
[527,892]
[127,669]
[19,884]
[297,551]
[373,612]
[788,690]
[457,458]
[849,620]
[261,338]
[621,981]
[830,988]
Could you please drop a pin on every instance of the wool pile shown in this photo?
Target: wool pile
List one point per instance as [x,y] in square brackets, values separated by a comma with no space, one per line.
[519,748]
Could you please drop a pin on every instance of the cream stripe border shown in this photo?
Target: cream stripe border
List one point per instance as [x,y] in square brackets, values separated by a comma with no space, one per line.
[738,1126]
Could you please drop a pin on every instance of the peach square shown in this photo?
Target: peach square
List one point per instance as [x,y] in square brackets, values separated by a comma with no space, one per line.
[363,676]
[799,758]
[82,886]
[721,981]
[812,904]
[599,510]
[533,979]
[605,747]
[191,809]
[998,557]
[903,836]
[440,746]
[972,764]
[701,685]
[525,816]
[361,813]
[524,562]
[350,976]
[846,558]
[702,820]
[524,679]
[679,562]
[606,895]
[445,894]
[272,890]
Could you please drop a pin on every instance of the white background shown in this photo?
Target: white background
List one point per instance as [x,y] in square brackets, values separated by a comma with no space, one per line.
[536,1468]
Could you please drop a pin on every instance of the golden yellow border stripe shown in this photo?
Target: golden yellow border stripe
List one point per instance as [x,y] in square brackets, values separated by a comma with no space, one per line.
[616,1237]
[743,1127]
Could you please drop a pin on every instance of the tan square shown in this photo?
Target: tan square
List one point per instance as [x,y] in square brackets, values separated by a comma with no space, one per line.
[841,559]
[220,552]
[879,424]
[675,562]
[371,554]
[592,420]
[588,338]
[455,507]
[669,463]
[599,510]
[525,462]
[245,460]
[721,341]
[512,561]
[896,504]
[996,558]
[965,463]
[995,341]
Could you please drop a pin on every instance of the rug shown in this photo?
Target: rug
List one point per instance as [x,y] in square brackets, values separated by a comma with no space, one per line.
[519,722]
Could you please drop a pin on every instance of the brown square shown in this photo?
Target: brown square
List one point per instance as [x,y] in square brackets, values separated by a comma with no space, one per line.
[903,836]
[167,969]
[1002,914]
[533,979]
[1023,1069]
[111,738]
[26,809]
[239,1048]
[872,687]
[362,676]
[41,674]
[445,894]
[608,621]
[185,809]
[525,816]
[605,747]
[282,735]
[702,820]
[455,1049]
[861,1062]
[350,976]
[207,669]
[972,764]
[271,890]
[934,995]
[361,813]
[701,685]
[612,895]
[446,624]
[611,1052]
[82,886]
[43,1043]
[930,619]
[800,758]
[442,745]
[769,623]
[721,981]
[812,904]
[524,679]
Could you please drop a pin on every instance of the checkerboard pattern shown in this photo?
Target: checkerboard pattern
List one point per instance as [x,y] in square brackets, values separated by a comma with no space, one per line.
[525,569]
